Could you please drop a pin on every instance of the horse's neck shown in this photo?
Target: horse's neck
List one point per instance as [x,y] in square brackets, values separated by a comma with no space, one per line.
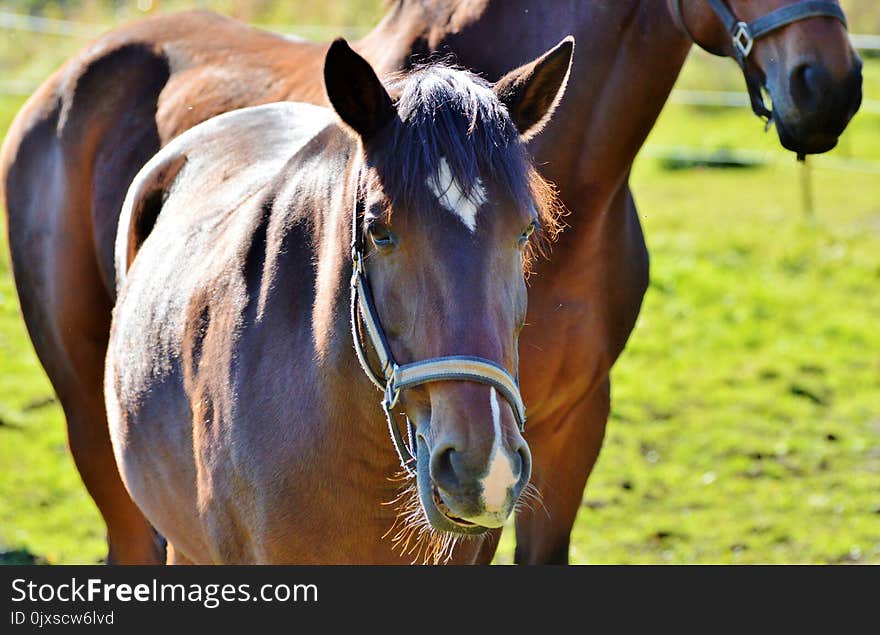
[627,62]
[628,55]
[350,401]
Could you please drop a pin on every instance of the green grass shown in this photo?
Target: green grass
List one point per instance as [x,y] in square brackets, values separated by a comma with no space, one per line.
[745,423]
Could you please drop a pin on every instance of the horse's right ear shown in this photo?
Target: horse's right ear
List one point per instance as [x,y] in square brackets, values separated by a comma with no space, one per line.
[354,90]
[532,91]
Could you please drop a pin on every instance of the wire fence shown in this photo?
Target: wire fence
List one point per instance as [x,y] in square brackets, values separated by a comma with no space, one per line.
[84,30]
[733,99]
[72,28]
[49,26]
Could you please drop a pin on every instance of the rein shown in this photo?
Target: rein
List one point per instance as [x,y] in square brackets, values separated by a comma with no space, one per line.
[394,378]
[744,34]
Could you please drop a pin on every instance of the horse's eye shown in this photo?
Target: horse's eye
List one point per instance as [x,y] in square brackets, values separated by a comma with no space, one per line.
[381,235]
[528,231]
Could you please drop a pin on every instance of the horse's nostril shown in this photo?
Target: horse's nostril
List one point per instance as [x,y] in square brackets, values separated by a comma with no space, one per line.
[809,85]
[442,469]
[525,466]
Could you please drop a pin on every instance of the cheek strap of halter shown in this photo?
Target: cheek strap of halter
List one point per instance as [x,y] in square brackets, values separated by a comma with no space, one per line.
[393,378]
[744,34]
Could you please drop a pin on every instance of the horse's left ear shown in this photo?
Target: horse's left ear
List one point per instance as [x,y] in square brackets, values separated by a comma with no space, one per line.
[355,91]
[532,91]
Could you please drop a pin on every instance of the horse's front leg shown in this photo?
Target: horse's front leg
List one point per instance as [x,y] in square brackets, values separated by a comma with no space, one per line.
[563,454]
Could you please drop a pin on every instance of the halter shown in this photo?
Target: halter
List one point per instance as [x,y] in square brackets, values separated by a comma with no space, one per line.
[744,34]
[394,378]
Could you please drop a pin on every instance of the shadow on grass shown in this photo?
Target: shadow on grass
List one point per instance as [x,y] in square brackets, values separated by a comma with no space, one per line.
[718,159]
[20,556]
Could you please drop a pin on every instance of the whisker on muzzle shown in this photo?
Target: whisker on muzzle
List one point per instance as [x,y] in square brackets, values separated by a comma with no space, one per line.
[411,533]
[529,499]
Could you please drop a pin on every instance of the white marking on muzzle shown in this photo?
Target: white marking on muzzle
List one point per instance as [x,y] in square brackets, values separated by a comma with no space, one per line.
[500,477]
[452,197]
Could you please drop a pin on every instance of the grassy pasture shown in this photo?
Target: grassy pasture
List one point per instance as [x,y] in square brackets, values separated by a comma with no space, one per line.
[746,408]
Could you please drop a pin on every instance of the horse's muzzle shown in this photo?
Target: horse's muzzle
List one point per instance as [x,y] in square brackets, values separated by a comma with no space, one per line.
[816,111]
[457,500]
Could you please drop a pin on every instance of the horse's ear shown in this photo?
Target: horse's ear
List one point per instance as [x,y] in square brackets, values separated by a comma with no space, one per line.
[532,91]
[354,90]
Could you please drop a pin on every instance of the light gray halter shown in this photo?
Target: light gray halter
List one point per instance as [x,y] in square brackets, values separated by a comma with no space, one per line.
[394,378]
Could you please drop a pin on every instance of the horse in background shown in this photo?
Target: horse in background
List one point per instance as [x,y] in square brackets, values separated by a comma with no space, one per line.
[75,147]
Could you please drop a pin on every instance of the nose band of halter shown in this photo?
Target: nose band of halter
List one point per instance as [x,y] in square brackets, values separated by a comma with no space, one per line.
[461,368]
[744,34]
[394,378]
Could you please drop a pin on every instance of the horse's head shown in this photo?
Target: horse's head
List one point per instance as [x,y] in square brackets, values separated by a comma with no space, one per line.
[798,51]
[450,203]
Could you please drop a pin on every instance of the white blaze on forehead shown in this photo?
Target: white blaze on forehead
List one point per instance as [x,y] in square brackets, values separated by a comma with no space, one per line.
[500,477]
[451,195]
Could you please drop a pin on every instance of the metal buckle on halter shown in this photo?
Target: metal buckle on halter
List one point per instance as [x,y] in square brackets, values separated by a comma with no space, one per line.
[357,268]
[392,393]
[742,39]
[392,396]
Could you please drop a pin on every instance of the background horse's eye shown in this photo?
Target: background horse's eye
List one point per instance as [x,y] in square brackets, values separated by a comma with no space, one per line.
[528,231]
[381,235]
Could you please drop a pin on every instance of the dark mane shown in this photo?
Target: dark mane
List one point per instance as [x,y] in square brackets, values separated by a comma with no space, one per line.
[446,113]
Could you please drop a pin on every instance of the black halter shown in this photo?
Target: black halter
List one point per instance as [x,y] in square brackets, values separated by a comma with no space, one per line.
[744,35]
[393,378]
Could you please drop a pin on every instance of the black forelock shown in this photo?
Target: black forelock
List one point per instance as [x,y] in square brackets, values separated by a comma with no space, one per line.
[448,113]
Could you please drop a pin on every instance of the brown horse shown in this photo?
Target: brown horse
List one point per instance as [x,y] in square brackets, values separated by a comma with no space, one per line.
[73,150]
[243,425]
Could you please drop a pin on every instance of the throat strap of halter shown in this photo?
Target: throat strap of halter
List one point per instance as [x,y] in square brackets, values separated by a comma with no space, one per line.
[745,34]
[393,378]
